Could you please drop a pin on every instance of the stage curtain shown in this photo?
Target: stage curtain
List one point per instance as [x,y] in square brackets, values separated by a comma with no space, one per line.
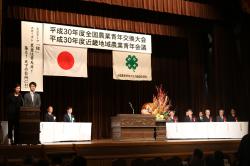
[196,65]
[180,7]
[229,81]
[61,17]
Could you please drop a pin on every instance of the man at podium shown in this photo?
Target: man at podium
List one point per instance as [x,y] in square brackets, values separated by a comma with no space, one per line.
[29,126]
[32,99]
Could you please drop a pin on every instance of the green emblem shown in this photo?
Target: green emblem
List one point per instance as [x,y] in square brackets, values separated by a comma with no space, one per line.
[131,62]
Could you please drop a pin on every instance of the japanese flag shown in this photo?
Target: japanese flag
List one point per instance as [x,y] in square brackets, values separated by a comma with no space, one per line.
[65,61]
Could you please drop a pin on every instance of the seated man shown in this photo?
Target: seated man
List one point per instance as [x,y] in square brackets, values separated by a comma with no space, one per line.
[201,117]
[189,116]
[207,117]
[172,117]
[68,117]
[49,117]
[221,117]
[232,117]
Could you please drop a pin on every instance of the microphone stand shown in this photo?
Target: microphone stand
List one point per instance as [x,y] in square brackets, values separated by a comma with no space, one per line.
[131,106]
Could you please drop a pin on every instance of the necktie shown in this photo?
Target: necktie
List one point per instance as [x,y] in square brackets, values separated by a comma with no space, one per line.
[32,98]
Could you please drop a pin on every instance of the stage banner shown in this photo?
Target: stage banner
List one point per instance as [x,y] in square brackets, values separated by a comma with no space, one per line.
[95,38]
[32,55]
[131,66]
[65,61]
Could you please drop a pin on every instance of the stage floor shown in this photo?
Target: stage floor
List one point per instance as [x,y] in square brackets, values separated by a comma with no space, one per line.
[110,141]
[111,149]
[103,152]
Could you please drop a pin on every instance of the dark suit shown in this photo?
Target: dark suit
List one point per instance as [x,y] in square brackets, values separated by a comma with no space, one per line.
[232,119]
[200,119]
[36,100]
[49,118]
[187,119]
[172,119]
[14,104]
[206,119]
[66,118]
[219,119]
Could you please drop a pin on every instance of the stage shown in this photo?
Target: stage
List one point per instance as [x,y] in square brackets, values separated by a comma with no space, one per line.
[102,152]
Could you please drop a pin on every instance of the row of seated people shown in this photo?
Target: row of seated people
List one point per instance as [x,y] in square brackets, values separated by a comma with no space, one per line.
[69,117]
[205,117]
[50,117]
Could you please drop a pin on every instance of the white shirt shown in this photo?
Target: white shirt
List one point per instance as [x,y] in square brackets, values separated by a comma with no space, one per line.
[70,117]
[32,96]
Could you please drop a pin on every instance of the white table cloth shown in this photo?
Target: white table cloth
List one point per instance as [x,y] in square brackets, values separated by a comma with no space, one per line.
[64,131]
[197,130]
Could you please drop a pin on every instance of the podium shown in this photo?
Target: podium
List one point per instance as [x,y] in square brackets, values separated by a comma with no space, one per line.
[29,125]
[133,127]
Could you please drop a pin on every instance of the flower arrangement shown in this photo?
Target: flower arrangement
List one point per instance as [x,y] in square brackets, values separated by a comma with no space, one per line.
[160,107]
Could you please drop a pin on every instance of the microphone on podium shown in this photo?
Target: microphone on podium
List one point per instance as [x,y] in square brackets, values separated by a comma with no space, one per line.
[131,106]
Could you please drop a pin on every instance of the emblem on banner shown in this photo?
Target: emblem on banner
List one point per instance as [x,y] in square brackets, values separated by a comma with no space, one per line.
[131,62]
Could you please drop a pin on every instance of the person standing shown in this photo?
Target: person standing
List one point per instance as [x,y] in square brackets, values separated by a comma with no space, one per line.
[15,101]
[32,99]
[68,117]
[49,117]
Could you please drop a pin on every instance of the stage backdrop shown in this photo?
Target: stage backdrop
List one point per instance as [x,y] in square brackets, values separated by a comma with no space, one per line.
[176,63]
[180,61]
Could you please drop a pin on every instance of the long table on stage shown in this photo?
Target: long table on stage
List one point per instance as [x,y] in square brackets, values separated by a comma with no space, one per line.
[64,131]
[55,132]
[60,131]
[206,130]
[103,152]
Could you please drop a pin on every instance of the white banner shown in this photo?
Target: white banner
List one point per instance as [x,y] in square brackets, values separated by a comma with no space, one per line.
[132,66]
[32,55]
[126,66]
[96,38]
[65,61]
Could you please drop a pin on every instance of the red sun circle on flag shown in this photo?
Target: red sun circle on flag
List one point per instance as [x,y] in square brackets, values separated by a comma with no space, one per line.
[65,60]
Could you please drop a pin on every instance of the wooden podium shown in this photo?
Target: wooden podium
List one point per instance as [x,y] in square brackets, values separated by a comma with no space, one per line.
[136,127]
[160,130]
[29,125]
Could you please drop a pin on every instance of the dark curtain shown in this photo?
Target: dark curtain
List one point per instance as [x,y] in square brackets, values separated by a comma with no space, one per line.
[230,71]
[196,66]
[180,7]
[86,20]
